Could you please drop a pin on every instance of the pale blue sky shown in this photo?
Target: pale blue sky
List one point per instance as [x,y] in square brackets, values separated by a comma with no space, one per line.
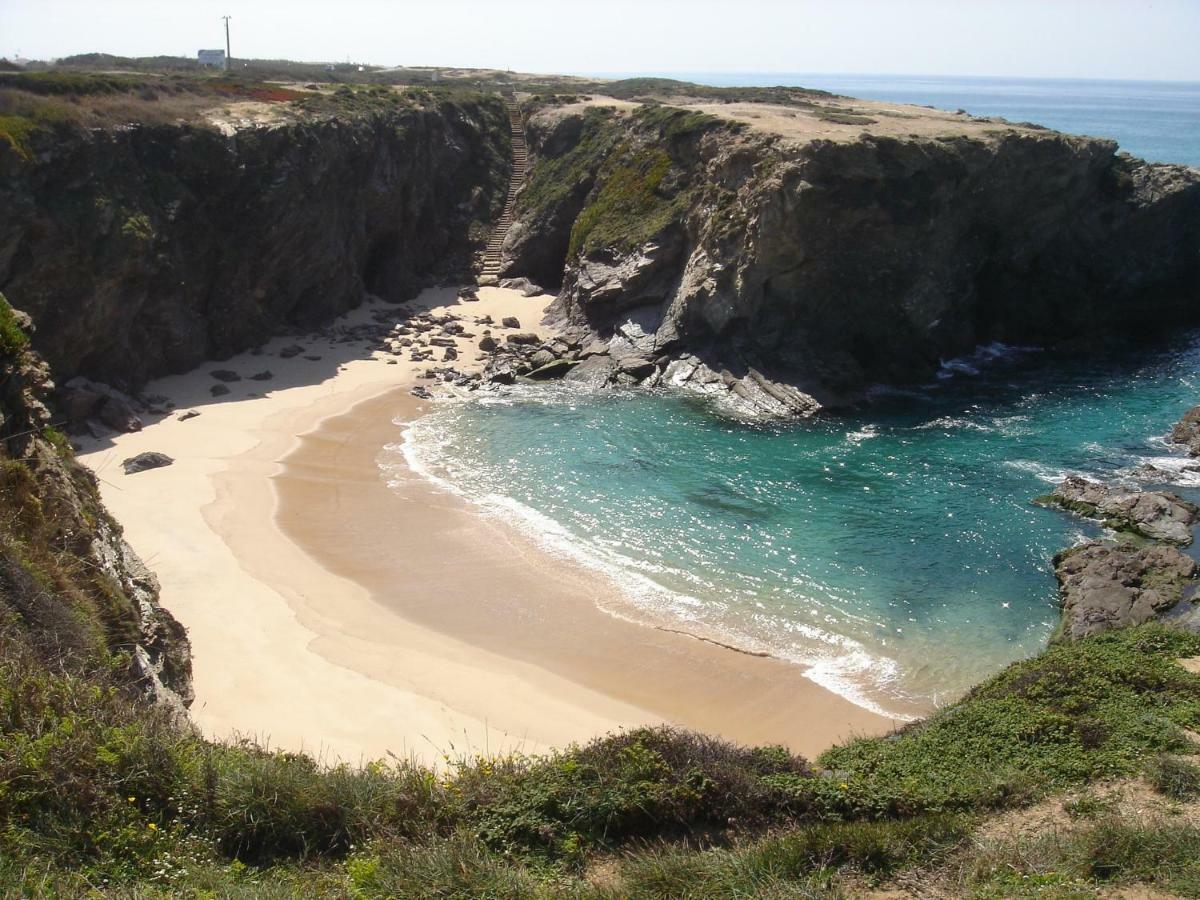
[1053,38]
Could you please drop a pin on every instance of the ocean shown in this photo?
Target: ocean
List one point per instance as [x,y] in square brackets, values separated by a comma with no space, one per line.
[1155,120]
[896,553]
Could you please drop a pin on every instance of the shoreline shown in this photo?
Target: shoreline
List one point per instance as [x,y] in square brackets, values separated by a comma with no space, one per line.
[328,612]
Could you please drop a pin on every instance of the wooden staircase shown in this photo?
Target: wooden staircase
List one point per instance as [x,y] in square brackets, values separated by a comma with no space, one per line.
[491,257]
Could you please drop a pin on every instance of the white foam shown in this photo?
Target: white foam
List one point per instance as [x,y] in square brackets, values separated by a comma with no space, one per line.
[983,355]
[837,663]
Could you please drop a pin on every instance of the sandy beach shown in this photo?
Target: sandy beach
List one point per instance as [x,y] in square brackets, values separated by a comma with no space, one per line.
[331,613]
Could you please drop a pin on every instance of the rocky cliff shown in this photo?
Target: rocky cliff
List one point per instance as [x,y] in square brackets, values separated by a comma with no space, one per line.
[790,270]
[147,249]
[71,588]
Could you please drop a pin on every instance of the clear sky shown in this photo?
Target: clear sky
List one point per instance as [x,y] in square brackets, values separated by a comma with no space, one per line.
[1135,39]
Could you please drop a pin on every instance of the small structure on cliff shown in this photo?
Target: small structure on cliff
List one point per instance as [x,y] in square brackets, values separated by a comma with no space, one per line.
[211,59]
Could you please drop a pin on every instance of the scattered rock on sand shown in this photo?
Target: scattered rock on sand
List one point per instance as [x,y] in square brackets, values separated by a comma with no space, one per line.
[144,461]
[488,343]
[524,337]
[218,390]
[1156,515]
[188,414]
[510,322]
[290,351]
[449,354]
[1107,585]
[421,392]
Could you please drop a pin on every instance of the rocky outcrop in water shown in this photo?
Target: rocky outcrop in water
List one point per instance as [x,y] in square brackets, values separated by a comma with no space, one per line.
[827,266]
[144,250]
[1155,515]
[1106,585]
[1187,431]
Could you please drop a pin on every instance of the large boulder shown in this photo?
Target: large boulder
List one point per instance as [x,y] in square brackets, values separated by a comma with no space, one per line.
[1187,431]
[1156,515]
[145,461]
[82,400]
[1107,585]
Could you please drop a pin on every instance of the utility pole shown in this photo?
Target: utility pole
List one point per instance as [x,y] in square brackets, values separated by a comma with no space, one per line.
[228,54]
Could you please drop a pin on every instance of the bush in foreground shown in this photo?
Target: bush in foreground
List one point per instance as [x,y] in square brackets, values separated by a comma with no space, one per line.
[97,791]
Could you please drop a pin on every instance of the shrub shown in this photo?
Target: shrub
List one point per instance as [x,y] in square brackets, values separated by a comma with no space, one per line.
[12,339]
[647,783]
[1080,711]
[631,206]
[1176,778]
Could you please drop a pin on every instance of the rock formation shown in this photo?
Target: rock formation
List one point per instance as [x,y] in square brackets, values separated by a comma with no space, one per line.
[1155,515]
[1187,431]
[69,583]
[806,270]
[1106,585]
[148,249]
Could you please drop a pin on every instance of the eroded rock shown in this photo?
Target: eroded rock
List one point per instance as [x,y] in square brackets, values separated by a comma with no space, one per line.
[1108,585]
[1156,515]
[143,462]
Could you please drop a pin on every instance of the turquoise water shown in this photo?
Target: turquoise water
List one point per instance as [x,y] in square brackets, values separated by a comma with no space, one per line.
[1155,120]
[896,552]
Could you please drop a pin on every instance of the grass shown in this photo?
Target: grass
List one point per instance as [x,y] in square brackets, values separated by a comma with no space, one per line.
[12,339]
[640,189]
[631,205]
[684,815]
[1082,862]
[1176,778]
[1080,711]
[555,178]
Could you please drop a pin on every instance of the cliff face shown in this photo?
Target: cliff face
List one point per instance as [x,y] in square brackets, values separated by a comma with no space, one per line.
[148,249]
[70,586]
[707,254]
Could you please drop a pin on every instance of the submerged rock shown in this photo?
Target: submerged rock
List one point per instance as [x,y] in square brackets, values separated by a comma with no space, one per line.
[1156,515]
[144,461]
[1107,585]
[225,375]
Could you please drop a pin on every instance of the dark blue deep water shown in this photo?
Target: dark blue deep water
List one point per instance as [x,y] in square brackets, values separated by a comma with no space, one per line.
[896,553]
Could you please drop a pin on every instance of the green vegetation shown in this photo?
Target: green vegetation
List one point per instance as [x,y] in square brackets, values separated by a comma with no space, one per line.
[1176,778]
[1079,863]
[16,132]
[12,338]
[96,788]
[670,124]
[137,227]
[556,178]
[631,205]
[842,116]
[1080,711]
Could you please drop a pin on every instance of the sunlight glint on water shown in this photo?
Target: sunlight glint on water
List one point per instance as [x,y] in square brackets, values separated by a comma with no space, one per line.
[897,552]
